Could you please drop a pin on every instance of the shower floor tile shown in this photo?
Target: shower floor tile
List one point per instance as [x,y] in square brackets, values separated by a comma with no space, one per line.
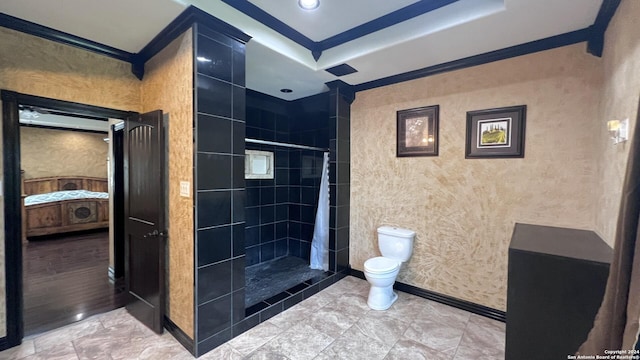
[270,278]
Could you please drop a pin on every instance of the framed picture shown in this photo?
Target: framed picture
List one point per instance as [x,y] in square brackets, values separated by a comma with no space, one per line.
[418,132]
[496,133]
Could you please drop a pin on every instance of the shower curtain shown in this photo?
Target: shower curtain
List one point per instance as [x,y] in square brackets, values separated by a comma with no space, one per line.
[320,243]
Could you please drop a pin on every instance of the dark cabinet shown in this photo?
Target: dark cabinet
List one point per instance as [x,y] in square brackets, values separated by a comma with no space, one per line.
[556,282]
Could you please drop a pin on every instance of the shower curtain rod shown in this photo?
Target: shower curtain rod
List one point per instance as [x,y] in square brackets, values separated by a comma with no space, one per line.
[267,142]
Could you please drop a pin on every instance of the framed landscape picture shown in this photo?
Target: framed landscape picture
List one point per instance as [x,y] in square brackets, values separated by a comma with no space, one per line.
[417,132]
[496,133]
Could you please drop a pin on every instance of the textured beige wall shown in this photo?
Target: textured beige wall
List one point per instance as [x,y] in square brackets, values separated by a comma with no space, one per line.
[464,210]
[36,66]
[619,100]
[168,85]
[39,67]
[46,152]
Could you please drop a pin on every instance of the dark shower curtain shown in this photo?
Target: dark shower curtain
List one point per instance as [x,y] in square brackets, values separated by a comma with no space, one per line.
[616,325]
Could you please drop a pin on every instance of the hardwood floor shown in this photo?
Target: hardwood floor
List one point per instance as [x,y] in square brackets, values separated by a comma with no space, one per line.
[66,280]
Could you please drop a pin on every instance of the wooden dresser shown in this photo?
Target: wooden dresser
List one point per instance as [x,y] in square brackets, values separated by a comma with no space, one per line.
[556,283]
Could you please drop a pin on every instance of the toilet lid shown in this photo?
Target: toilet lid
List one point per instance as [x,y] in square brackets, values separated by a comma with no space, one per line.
[380,264]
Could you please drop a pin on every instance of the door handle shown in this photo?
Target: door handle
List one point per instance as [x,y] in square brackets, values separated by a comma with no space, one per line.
[155,233]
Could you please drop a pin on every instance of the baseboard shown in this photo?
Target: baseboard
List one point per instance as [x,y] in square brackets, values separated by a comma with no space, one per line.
[444,299]
[4,344]
[180,335]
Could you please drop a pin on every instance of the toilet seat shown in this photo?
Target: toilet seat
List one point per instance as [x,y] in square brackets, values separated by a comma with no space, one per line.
[381,265]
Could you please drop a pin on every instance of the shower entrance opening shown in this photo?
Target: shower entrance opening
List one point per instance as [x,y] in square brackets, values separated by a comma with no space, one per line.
[280,220]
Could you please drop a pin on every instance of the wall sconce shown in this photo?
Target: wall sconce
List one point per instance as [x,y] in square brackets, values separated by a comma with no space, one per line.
[618,130]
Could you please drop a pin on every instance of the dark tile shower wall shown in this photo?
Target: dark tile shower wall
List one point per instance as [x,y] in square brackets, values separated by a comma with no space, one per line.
[339,175]
[220,195]
[267,202]
[309,126]
[306,167]
[219,131]
[281,211]
[309,122]
[267,211]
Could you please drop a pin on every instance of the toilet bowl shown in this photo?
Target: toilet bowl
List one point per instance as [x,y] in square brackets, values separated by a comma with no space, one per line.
[381,273]
[396,246]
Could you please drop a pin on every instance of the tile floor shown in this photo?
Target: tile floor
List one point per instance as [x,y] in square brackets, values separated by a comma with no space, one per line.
[333,324]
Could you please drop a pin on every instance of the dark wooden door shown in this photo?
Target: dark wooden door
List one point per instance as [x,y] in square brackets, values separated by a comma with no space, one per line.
[144,219]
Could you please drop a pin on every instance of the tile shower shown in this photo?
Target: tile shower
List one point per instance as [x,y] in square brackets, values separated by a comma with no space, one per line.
[280,212]
[241,223]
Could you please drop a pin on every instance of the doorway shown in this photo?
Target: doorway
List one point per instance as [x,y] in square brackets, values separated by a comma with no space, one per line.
[13,200]
[68,218]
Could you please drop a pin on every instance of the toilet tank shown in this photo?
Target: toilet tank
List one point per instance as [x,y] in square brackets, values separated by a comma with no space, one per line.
[395,243]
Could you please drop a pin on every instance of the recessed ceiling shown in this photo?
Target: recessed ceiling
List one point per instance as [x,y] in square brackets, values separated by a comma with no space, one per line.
[456,30]
[331,17]
[127,25]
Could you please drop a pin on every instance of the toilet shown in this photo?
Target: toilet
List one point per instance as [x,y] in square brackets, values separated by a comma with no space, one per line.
[396,246]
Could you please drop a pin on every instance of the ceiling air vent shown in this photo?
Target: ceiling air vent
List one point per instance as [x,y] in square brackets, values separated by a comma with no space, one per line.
[341,70]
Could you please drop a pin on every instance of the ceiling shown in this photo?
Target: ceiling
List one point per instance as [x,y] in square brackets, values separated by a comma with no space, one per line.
[44,118]
[403,34]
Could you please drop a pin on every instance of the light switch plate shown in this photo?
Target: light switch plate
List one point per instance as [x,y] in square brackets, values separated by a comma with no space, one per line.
[624,130]
[185,190]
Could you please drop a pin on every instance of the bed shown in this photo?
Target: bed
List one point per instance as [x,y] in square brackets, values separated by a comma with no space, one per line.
[55,205]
